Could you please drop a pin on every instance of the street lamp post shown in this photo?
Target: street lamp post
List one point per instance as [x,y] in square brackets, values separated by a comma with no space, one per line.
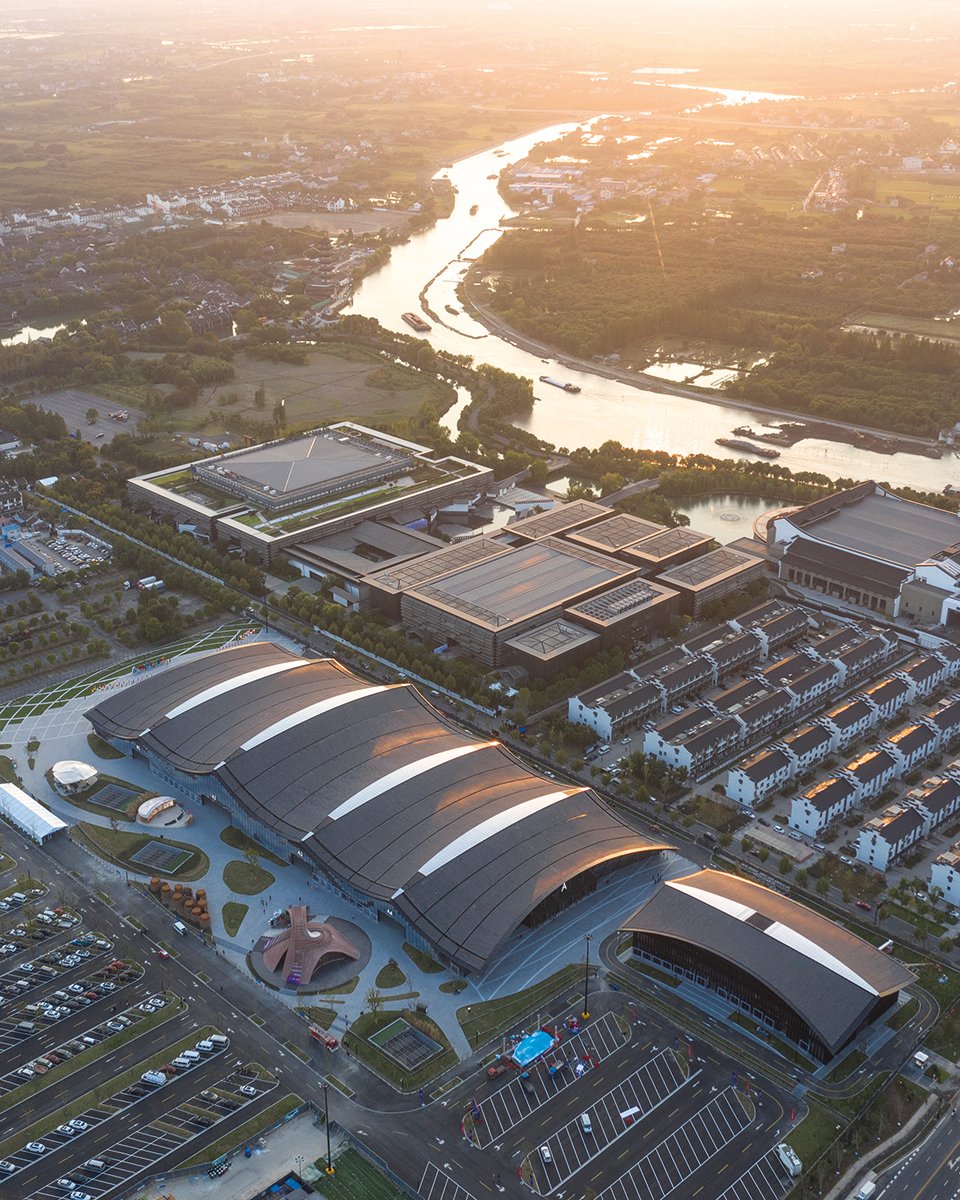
[326,1121]
[586,978]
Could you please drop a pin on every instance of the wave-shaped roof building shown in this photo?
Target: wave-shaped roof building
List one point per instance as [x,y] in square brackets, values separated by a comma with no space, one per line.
[396,807]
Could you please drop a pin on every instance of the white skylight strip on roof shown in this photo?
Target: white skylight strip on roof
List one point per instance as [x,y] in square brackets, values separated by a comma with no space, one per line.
[740,912]
[229,685]
[313,710]
[404,775]
[492,826]
[803,945]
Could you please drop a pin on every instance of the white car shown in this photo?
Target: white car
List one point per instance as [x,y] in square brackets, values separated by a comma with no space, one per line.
[78,1125]
[778,829]
[35,1148]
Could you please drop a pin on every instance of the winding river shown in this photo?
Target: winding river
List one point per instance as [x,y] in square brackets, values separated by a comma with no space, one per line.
[437,258]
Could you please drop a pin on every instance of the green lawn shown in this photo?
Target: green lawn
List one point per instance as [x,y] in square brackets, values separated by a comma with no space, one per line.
[118,846]
[904,1013]
[357,1040]
[813,1134]
[423,960]
[101,747]
[846,1068]
[87,800]
[97,1095]
[238,840]
[356,1179]
[36,704]
[233,914]
[246,879]
[390,976]
[485,1020]
[247,1131]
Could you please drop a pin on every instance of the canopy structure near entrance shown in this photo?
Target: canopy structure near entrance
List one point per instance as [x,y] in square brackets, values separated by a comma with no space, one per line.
[27,814]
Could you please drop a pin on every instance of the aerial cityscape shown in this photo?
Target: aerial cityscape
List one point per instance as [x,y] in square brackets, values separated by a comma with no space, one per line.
[480,588]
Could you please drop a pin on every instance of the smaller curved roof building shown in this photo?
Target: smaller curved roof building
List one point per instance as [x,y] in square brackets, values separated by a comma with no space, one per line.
[801,973]
[405,811]
[70,776]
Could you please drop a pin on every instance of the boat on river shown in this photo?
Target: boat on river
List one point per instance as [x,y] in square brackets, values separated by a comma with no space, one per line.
[415,322]
[748,447]
[566,387]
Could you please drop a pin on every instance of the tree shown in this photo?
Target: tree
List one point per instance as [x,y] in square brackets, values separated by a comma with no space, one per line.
[92,416]
[823,885]
[374,999]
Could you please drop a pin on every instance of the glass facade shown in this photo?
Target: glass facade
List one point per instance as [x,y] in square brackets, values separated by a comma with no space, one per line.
[746,993]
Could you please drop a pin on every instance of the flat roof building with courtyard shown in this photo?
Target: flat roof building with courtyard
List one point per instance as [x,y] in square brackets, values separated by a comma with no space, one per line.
[397,809]
[872,548]
[776,961]
[270,497]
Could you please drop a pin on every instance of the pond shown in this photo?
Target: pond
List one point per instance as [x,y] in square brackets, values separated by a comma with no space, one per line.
[726,517]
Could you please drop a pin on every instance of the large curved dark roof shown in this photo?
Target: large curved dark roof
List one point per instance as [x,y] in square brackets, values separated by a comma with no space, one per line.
[828,975]
[130,712]
[377,787]
[198,741]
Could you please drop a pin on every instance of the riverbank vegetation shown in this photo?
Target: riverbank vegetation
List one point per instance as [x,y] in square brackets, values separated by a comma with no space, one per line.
[764,282]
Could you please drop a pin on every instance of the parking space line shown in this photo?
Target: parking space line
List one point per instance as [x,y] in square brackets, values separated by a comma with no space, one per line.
[433,1179]
[572,1146]
[139,1151]
[766,1179]
[512,1103]
[667,1165]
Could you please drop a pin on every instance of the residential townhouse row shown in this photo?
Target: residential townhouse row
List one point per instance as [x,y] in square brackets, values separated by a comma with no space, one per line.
[658,684]
[884,838]
[816,808]
[704,736]
[749,782]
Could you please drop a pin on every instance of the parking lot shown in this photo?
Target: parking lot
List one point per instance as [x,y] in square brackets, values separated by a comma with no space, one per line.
[187,1102]
[681,1153]
[39,1055]
[518,1098]
[72,404]
[438,1185]
[142,1149]
[765,1180]
[590,1132]
[50,966]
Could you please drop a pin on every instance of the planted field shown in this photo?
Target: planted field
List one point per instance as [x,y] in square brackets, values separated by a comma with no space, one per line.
[336,384]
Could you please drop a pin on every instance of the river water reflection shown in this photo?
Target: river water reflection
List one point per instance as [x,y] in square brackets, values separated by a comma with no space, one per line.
[436,259]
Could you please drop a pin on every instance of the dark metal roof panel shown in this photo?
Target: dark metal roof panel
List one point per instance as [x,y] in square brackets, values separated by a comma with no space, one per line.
[200,739]
[127,714]
[814,965]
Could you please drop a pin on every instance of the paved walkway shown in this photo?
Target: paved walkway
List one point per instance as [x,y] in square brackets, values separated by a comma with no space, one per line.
[531,955]
[293,1147]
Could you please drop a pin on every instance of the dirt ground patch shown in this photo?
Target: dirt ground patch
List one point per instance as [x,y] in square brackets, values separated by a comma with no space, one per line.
[367,221]
[342,384]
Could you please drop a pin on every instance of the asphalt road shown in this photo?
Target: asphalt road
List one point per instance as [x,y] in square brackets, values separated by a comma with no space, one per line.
[409,1137]
[932,1171]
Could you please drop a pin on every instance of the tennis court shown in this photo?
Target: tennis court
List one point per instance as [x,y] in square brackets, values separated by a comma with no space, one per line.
[114,796]
[159,857]
[405,1044]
